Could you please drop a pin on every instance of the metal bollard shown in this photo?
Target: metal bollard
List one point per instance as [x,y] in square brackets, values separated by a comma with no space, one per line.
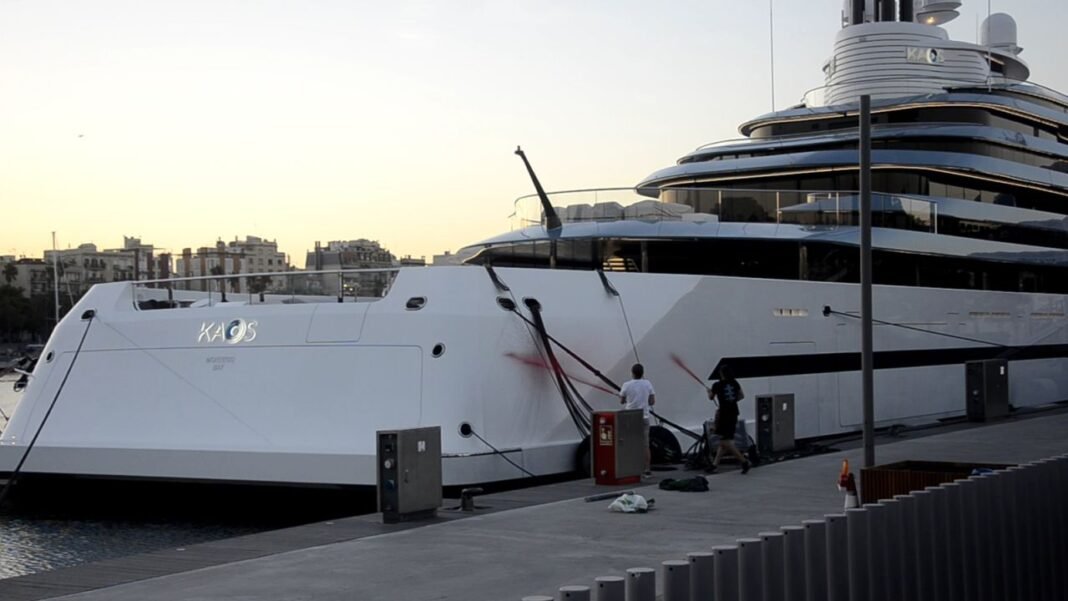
[608,588]
[725,566]
[1044,514]
[909,563]
[895,577]
[939,538]
[1014,552]
[1059,498]
[999,562]
[1034,525]
[859,539]
[815,560]
[878,564]
[793,563]
[675,574]
[773,553]
[1023,524]
[1056,514]
[573,593]
[969,523]
[983,541]
[750,569]
[954,543]
[925,586]
[640,585]
[702,575]
[837,557]
[1062,500]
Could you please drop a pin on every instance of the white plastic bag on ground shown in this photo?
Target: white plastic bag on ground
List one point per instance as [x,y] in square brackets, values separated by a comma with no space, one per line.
[629,503]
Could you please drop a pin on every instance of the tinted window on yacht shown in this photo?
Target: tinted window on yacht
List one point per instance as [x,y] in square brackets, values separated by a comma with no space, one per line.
[998,151]
[1051,104]
[830,263]
[950,186]
[762,201]
[771,259]
[787,260]
[1041,235]
[941,114]
[834,263]
[892,182]
[578,253]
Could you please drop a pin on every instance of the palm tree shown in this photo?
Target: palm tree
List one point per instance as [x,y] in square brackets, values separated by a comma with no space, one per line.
[218,270]
[10,273]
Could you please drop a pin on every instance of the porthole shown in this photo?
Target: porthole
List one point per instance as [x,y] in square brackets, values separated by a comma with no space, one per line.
[466,430]
[48,357]
[415,303]
[506,303]
[438,350]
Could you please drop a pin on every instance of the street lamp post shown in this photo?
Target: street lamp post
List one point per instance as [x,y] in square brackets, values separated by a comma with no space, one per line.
[866,359]
[55,275]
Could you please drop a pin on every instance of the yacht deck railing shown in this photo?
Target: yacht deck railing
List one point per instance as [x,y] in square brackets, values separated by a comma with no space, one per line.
[810,135]
[816,97]
[289,287]
[820,208]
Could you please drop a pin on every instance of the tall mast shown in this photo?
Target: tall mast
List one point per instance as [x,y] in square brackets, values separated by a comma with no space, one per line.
[771,42]
[55,275]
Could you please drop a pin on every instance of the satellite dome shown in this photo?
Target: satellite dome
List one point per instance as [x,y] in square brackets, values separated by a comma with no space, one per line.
[999,31]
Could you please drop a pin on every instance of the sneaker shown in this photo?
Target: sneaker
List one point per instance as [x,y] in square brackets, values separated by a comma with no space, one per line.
[745,467]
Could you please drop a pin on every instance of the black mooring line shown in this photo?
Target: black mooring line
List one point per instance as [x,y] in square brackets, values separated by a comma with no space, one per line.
[88,315]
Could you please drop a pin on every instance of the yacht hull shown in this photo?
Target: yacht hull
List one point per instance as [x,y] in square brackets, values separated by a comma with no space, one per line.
[297,395]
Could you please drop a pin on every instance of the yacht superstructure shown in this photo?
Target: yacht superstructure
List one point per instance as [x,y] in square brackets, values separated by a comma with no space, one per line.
[745,251]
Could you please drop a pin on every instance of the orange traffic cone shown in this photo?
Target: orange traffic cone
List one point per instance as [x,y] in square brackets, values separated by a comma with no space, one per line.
[848,485]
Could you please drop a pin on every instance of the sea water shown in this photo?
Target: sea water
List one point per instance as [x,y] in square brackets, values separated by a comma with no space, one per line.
[36,541]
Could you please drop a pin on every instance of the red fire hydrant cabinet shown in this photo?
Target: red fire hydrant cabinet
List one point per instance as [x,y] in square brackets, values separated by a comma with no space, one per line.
[618,446]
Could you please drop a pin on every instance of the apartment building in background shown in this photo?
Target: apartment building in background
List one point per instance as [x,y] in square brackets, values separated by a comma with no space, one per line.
[350,254]
[239,257]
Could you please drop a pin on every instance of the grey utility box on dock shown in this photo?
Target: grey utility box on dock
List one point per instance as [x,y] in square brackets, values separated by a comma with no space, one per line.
[775,423]
[987,388]
[409,473]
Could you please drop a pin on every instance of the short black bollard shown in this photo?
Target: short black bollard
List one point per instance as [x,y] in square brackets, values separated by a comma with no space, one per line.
[816,585]
[702,575]
[640,585]
[794,563]
[467,498]
[608,588]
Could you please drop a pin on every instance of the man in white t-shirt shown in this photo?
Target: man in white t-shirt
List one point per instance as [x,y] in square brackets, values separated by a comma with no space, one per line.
[639,394]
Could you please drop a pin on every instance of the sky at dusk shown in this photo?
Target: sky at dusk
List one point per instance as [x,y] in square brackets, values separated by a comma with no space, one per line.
[183,122]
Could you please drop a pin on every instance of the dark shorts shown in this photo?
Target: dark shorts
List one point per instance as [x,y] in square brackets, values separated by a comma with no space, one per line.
[726,425]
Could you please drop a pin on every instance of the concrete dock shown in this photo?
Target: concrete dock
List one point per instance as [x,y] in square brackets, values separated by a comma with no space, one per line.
[530,542]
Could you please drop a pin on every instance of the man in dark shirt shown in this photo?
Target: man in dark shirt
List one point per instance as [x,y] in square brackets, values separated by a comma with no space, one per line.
[729,393]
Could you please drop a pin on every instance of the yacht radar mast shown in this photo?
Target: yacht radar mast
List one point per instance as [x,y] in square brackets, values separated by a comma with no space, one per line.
[552,220]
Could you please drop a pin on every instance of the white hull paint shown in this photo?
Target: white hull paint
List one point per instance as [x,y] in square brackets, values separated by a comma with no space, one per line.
[301,402]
